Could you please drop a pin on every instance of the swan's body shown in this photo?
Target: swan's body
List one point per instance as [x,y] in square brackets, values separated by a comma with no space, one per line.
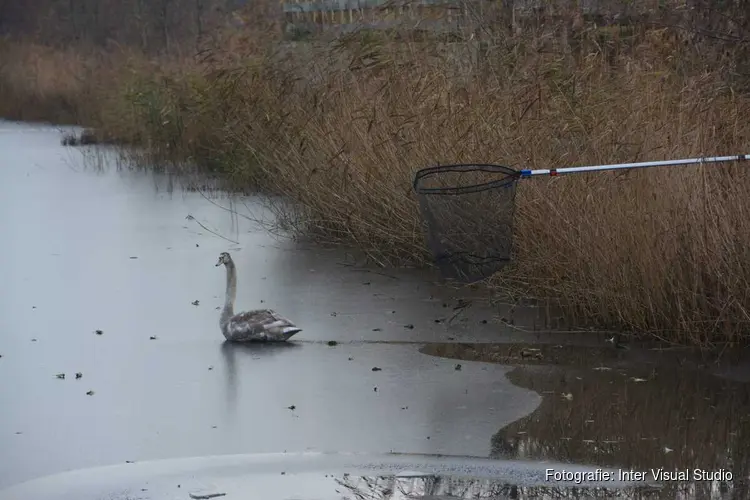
[262,325]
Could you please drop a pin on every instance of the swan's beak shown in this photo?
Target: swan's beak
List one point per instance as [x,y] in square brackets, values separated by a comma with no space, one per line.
[218,264]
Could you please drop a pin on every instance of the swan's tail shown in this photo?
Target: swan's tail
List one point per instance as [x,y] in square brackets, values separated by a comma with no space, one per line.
[288,331]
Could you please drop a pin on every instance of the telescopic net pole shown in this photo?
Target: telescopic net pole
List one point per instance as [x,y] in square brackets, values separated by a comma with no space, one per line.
[623,166]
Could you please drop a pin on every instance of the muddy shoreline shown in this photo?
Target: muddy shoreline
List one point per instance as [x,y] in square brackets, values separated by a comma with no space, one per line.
[624,408]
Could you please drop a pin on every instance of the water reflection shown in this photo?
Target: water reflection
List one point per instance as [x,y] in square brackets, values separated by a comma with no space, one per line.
[247,353]
[450,487]
[605,408]
[644,418]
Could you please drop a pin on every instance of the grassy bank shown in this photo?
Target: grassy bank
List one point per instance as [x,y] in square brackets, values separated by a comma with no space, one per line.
[341,128]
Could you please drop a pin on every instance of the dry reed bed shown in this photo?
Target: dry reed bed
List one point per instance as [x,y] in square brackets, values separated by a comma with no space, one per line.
[40,83]
[660,251]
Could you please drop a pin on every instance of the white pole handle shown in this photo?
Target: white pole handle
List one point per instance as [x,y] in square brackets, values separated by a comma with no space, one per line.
[619,166]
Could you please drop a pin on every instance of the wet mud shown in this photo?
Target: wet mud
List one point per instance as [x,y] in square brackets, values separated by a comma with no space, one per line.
[628,409]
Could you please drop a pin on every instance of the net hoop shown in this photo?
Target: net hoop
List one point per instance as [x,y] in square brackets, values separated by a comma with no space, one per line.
[509,177]
[469,232]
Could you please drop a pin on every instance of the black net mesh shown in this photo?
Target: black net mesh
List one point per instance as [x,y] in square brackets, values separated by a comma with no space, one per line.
[468,211]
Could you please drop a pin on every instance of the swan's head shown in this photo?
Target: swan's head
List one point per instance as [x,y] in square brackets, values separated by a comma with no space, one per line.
[224,258]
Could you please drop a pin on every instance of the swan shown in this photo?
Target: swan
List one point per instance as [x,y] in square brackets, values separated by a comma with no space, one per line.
[261,325]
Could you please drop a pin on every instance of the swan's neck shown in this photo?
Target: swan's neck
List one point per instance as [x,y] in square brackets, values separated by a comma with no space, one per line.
[231,294]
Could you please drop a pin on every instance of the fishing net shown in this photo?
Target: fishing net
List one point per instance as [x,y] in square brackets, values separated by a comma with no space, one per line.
[468,212]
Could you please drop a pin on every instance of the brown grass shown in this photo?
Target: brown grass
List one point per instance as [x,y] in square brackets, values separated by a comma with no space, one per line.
[40,83]
[661,252]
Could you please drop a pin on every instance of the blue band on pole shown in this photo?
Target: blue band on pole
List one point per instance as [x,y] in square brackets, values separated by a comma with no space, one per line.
[525,173]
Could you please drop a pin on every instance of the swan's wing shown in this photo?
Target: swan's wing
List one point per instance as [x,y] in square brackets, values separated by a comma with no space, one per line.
[261,318]
[261,324]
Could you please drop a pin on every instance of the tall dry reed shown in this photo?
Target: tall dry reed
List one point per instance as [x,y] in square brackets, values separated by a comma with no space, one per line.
[340,128]
[659,252]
